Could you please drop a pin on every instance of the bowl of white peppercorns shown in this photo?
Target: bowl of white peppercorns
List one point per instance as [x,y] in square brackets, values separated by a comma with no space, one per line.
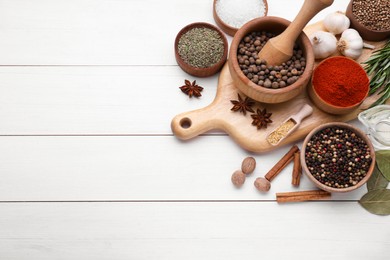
[263,82]
[337,157]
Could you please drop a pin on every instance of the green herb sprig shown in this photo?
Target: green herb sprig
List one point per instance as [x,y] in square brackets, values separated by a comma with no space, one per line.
[378,67]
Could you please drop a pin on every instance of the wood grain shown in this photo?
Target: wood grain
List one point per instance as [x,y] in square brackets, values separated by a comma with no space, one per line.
[135,168]
[166,231]
[218,115]
[160,198]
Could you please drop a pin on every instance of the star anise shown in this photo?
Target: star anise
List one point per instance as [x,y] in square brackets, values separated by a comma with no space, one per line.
[191,89]
[261,118]
[242,105]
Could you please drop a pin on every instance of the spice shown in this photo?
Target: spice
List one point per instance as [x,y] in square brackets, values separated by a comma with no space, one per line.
[281,132]
[242,105]
[298,196]
[336,22]
[377,200]
[337,157]
[201,47]
[261,118]
[350,44]
[236,13]
[373,14]
[282,163]
[377,66]
[259,72]
[262,184]
[248,165]
[238,178]
[297,170]
[340,81]
[191,89]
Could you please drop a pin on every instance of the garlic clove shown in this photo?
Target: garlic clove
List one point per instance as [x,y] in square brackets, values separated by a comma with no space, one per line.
[324,44]
[350,44]
[336,23]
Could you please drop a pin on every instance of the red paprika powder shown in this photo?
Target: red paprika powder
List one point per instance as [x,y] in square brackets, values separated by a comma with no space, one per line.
[340,81]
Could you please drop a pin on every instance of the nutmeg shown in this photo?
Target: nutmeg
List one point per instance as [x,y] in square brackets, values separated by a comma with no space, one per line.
[248,165]
[262,184]
[238,178]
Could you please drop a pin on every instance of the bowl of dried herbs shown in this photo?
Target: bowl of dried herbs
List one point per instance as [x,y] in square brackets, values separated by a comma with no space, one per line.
[201,49]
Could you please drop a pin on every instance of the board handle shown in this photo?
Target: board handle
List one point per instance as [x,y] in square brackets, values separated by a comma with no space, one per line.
[190,124]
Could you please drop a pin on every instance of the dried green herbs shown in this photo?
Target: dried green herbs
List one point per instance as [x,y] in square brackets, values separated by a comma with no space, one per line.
[377,199]
[201,47]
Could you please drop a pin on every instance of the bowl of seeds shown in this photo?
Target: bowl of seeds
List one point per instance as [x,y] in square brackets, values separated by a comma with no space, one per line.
[201,49]
[263,82]
[371,18]
[337,157]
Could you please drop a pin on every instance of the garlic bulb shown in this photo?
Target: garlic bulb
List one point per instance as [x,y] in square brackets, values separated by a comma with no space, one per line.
[350,44]
[324,44]
[336,23]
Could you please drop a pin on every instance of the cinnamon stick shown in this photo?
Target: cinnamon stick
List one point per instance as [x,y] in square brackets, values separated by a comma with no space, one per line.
[298,196]
[281,164]
[297,170]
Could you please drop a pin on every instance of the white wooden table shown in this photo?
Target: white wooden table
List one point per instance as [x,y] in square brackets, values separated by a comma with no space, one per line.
[89,166]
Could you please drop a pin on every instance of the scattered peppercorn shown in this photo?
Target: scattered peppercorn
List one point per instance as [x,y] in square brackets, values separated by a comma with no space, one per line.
[257,70]
[337,157]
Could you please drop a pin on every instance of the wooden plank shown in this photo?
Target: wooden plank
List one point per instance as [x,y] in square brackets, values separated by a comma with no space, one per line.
[191,231]
[103,32]
[95,100]
[95,31]
[153,168]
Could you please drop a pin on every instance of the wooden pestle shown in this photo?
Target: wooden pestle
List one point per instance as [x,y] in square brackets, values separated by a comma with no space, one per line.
[280,48]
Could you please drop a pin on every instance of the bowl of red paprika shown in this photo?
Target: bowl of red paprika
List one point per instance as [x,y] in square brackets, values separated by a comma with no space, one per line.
[339,85]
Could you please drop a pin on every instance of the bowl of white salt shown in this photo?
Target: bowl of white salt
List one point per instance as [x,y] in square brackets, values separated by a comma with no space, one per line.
[230,15]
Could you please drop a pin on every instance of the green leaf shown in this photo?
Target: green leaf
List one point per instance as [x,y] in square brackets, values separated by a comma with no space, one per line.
[377,202]
[383,162]
[377,181]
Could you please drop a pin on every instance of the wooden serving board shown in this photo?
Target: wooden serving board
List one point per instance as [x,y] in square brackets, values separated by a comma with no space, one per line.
[218,115]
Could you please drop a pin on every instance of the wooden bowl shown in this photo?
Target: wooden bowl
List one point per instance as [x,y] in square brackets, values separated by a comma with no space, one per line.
[365,33]
[274,25]
[326,106]
[201,72]
[230,30]
[359,133]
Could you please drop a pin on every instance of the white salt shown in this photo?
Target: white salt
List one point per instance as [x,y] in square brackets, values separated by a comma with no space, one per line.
[237,12]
